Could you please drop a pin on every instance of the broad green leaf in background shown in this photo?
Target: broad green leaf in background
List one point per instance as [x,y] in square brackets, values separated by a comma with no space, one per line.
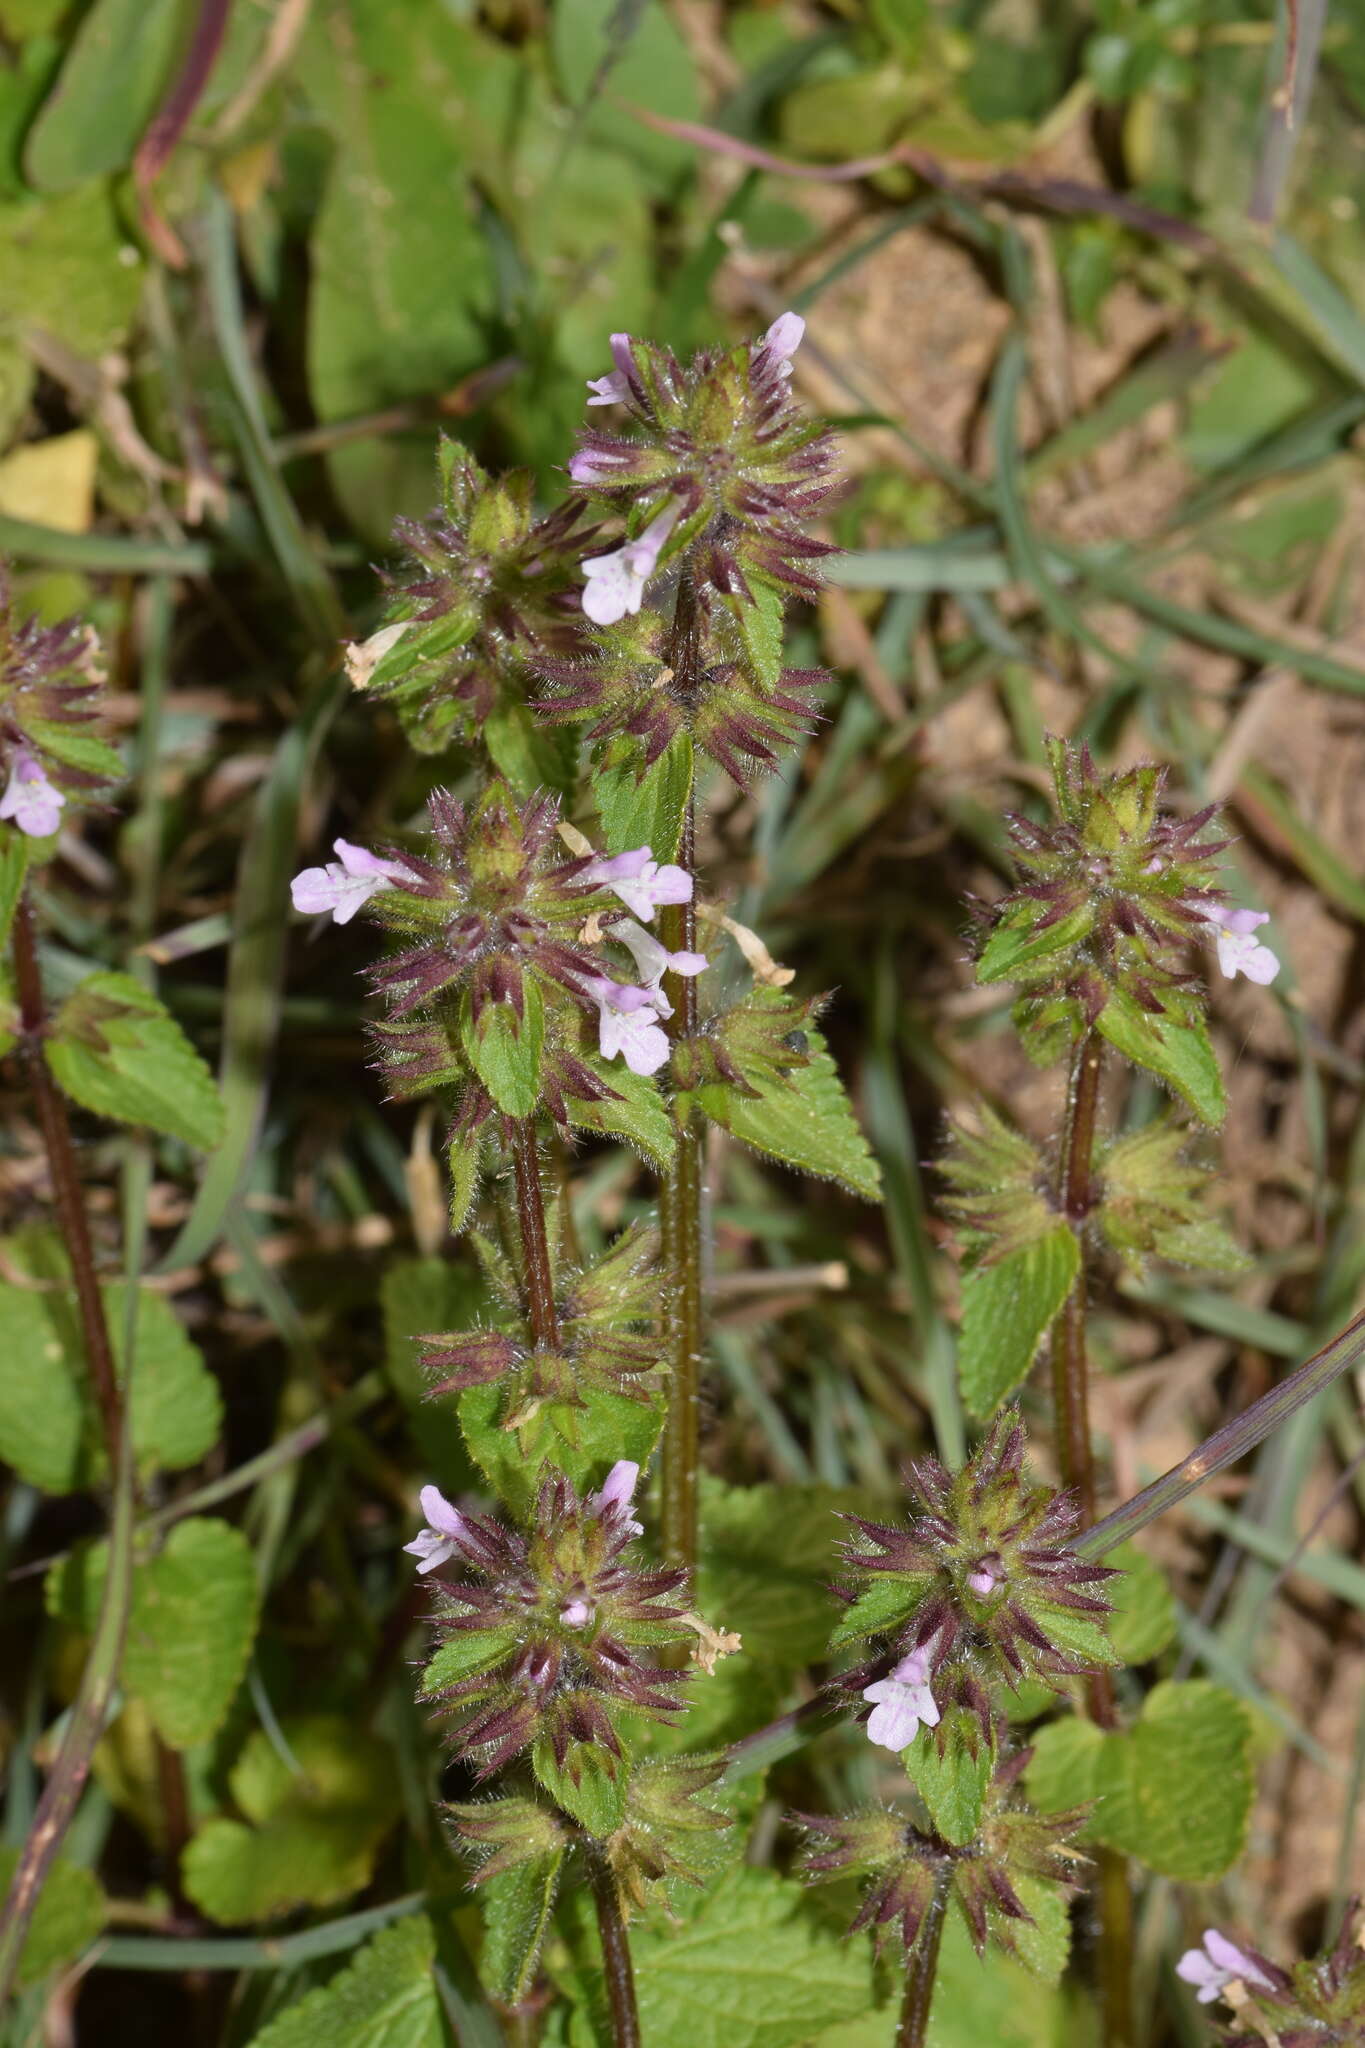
[117,1050]
[68,1916]
[49,1428]
[768,1554]
[747,1964]
[385,1998]
[108,90]
[1144,1618]
[606,55]
[645,810]
[401,286]
[311,1833]
[190,1628]
[1175,1790]
[993,1999]
[63,268]
[1007,1307]
[1177,1050]
[804,1119]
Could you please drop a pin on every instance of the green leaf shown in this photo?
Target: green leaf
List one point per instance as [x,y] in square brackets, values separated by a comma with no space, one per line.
[767,1557]
[464,1656]
[1063,1768]
[49,1425]
[1177,1051]
[994,2002]
[1144,1618]
[385,1998]
[401,277]
[803,1119]
[13,868]
[68,1916]
[314,1821]
[1176,1791]
[643,61]
[504,1049]
[62,261]
[108,90]
[634,1110]
[648,809]
[888,1601]
[591,1786]
[117,1050]
[1018,948]
[521,750]
[1043,1943]
[1007,1309]
[952,1783]
[582,1442]
[191,1625]
[516,1911]
[747,1964]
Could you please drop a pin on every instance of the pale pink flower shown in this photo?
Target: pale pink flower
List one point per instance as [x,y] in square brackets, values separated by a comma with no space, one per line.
[617,1495]
[345,883]
[654,960]
[438,1540]
[639,881]
[576,1613]
[984,1580]
[616,582]
[1216,1965]
[34,803]
[902,1702]
[628,1024]
[782,340]
[614,388]
[1238,951]
[595,465]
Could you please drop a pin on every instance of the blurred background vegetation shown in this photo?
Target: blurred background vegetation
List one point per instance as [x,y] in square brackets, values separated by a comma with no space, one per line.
[1089,323]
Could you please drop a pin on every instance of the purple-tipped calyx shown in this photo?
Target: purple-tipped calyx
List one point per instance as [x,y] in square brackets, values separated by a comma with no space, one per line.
[1218,1963]
[1238,951]
[902,1702]
[345,884]
[440,1539]
[615,583]
[617,1494]
[33,802]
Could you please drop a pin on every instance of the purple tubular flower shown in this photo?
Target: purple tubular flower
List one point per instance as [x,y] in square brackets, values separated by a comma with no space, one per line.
[576,1613]
[640,882]
[617,1495]
[782,340]
[628,1023]
[615,583]
[1218,1963]
[1238,951]
[440,1539]
[609,390]
[345,883]
[30,799]
[902,1701]
[653,960]
[596,465]
[984,1580]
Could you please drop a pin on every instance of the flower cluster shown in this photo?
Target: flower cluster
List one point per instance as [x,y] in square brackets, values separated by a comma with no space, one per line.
[504,952]
[1318,2003]
[50,749]
[485,585]
[539,1639]
[606,1314]
[1107,892]
[906,1867]
[979,1588]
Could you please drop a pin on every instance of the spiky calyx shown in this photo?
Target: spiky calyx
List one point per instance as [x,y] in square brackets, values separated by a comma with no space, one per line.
[723,441]
[485,585]
[981,1583]
[671,1832]
[740,707]
[762,1039]
[51,681]
[1106,893]
[906,1866]
[542,1636]
[1318,2003]
[607,1315]
[1155,1203]
[1001,1187]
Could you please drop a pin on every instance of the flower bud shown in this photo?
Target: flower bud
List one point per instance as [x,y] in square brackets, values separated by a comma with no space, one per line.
[50,745]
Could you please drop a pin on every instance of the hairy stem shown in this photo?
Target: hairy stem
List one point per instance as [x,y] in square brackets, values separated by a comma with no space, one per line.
[535,1249]
[66,1183]
[921,1972]
[625,2017]
[680,1197]
[1076,1196]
